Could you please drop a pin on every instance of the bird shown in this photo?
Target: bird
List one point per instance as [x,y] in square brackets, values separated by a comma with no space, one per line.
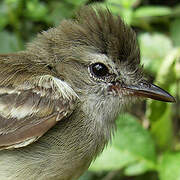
[61,96]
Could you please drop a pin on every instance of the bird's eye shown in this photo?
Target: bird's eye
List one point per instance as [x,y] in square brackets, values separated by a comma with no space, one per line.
[99,69]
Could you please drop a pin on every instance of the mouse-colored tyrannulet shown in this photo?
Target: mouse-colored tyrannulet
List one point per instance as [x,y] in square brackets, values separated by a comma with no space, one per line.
[59,98]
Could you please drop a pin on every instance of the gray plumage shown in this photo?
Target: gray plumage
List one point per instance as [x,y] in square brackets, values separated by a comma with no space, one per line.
[84,106]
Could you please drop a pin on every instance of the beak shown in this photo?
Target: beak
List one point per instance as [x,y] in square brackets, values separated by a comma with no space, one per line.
[151,91]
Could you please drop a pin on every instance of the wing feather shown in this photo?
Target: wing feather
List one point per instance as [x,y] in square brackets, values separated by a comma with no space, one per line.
[32,108]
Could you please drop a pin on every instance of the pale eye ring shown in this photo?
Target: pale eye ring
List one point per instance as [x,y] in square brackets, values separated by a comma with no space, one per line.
[99,70]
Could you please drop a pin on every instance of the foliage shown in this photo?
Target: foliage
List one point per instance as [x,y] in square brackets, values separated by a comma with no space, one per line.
[145,144]
[136,157]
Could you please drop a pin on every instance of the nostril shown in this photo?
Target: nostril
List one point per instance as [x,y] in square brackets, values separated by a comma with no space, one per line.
[145,84]
[113,83]
[118,84]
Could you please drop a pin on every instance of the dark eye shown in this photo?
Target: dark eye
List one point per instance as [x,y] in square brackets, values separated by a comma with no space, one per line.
[99,69]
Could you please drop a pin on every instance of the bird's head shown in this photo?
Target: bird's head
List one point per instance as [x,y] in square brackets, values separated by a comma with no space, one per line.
[98,55]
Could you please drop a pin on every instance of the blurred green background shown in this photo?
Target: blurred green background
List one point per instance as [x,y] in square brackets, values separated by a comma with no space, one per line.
[147,143]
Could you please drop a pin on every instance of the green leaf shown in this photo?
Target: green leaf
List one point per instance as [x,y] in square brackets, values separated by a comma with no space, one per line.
[117,9]
[112,158]
[123,3]
[10,42]
[174,30]
[36,10]
[166,75]
[60,11]
[11,1]
[154,48]
[162,128]
[131,145]
[3,15]
[137,168]
[177,67]
[151,11]
[132,137]
[159,113]
[77,2]
[169,166]
[86,176]
[176,9]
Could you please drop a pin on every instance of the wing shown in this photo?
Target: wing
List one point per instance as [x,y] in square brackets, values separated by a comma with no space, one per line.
[30,109]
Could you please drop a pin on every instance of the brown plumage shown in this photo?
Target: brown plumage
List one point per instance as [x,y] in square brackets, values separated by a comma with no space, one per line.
[59,98]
